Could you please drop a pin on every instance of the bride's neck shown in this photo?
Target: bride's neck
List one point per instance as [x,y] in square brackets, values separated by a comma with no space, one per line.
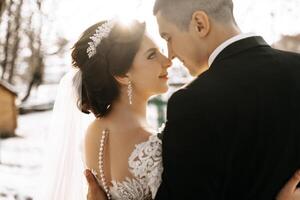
[134,113]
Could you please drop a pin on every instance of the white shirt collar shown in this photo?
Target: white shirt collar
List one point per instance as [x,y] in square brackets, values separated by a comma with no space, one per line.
[225,44]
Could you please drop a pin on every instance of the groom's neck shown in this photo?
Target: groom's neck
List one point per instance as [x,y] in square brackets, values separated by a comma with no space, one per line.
[221,33]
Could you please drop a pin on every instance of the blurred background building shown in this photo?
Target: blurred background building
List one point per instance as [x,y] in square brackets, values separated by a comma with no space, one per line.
[288,43]
[8,110]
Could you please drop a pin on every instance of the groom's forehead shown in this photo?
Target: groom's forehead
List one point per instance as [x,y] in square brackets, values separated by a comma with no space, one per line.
[163,24]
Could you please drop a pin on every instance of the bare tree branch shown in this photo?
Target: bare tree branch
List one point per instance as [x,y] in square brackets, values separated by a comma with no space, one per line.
[4,63]
[2,7]
[15,49]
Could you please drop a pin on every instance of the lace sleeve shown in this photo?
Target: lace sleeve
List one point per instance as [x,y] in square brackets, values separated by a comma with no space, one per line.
[146,163]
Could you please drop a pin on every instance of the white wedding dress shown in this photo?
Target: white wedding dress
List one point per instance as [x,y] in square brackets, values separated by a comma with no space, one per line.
[145,164]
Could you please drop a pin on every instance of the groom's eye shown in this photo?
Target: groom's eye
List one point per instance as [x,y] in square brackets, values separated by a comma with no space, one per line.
[167,38]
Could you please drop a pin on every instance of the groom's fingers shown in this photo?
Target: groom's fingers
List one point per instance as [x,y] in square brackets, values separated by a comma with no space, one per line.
[94,191]
[88,175]
[91,179]
[290,191]
[293,182]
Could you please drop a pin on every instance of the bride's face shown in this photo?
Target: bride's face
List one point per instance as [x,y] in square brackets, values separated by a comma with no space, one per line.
[148,73]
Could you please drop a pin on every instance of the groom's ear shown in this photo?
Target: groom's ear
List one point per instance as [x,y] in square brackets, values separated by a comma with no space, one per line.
[200,23]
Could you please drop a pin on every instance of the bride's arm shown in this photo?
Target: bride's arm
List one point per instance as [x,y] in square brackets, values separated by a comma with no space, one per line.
[290,190]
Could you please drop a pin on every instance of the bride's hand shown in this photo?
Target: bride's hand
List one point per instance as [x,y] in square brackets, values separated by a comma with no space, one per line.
[290,190]
[94,192]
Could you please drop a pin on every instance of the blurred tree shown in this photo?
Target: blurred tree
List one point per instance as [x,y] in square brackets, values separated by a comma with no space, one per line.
[6,45]
[25,29]
[12,39]
[36,59]
[160,105]
[16,40]
[2,7]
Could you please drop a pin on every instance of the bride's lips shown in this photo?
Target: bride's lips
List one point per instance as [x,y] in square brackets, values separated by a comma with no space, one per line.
[164,76]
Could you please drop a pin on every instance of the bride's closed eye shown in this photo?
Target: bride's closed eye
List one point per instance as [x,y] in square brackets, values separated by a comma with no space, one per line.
[151,54]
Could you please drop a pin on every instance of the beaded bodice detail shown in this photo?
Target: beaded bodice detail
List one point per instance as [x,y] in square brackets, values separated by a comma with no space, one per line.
[145,165]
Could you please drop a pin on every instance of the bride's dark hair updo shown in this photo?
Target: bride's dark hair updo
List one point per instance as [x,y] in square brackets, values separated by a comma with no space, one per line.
[114,57]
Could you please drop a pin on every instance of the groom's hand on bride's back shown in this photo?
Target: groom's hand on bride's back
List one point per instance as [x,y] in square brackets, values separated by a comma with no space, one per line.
[290,190]
[94,192]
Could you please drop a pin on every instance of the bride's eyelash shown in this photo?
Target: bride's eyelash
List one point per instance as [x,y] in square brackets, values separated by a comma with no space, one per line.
[152,55]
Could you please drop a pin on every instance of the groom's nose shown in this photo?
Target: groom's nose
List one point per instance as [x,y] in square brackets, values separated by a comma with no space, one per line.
[171,54]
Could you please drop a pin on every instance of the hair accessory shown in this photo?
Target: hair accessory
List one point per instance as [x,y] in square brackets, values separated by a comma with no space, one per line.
[102,31]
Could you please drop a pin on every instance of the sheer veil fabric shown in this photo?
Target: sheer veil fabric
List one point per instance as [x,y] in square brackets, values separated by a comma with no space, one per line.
[62,175]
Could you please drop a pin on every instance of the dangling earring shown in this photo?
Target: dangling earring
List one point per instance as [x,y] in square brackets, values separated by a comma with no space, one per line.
[129,92]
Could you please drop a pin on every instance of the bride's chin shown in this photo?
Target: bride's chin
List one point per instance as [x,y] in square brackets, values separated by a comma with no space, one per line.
[161,90]
[164,89]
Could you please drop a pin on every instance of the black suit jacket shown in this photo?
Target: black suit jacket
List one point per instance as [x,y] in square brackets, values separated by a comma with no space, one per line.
[234,132]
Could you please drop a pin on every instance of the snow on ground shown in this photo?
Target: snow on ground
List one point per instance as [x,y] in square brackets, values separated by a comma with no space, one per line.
[21,157]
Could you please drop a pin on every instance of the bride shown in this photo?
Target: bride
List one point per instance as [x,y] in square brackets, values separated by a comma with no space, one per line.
[118,68]
[121,68]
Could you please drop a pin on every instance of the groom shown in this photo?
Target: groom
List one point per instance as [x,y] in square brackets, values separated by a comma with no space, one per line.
[234,132]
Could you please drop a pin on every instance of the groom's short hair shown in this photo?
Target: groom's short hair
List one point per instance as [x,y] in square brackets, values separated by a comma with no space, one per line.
[180,11]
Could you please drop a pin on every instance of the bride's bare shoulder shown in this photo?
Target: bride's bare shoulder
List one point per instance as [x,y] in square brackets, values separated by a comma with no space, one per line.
[93,129]
[92,143]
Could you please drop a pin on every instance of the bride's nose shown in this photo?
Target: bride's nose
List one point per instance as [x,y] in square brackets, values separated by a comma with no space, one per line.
[166,62]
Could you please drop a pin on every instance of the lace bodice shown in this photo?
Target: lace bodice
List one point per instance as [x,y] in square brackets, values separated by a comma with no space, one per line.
[145,164]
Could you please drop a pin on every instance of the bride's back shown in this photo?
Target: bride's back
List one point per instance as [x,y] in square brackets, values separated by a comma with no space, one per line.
[119,145]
